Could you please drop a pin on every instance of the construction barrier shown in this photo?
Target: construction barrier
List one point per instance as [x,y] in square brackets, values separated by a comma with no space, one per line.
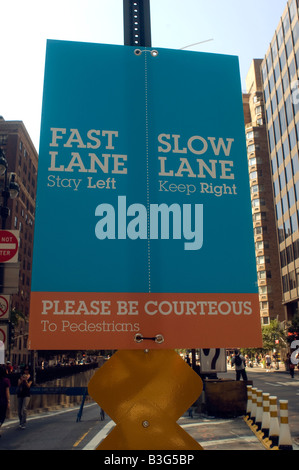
[251,422]
[285,440]
[259,410]
[249,403]
[262,417]
[266,415]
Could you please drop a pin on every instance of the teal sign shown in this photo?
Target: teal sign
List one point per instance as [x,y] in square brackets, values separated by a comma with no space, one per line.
[143,180]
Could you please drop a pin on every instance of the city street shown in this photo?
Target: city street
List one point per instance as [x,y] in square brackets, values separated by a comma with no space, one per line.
[58,430]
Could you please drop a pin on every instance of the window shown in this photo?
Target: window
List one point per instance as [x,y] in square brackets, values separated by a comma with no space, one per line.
[292,8]
[292,280]
[282,179]
[296,32]
[268,113]
[282,59]
[289,110]
[274,164]
[286,148]
[292,70]
[276,72]
[287,228]
[285,283]
[258,231]
[276,187]
[289,46]
[251,148]
[266,93]
[255,203]
[279,157]
[274,104]
[296,249]
[279,37]
[269,61]
[261,275]
[291,196]
[279,93]
[271,139]
[283,258]
[293,138]
[294,223]
[285,82]
[286,24]
[295,164]
[255,189]
[264,72]
[265,289]
[281,236]
[282,119]
[278,210]
[285,204]
[274,50]
[276,129]
[289,173]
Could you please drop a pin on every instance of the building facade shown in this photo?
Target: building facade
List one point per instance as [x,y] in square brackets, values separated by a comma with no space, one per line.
[279,71]
[265,235]
[22,159]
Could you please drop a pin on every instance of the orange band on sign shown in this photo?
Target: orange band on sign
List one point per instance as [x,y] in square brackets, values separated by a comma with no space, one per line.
[80,320]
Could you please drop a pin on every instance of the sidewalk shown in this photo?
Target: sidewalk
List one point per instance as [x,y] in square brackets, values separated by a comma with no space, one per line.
[221,434]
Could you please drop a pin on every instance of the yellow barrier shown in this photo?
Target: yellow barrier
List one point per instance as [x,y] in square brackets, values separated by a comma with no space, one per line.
[266,416]
[285,440]
[249,403]
[262,417]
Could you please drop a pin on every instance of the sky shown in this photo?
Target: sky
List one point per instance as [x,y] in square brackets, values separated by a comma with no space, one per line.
[234,27]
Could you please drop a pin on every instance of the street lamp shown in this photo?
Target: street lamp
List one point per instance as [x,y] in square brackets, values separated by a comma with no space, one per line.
[10,190]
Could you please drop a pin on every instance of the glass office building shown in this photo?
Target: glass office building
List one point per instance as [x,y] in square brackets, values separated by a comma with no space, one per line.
[280,73]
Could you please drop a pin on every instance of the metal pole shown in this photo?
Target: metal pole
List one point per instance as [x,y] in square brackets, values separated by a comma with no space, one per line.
[137,23]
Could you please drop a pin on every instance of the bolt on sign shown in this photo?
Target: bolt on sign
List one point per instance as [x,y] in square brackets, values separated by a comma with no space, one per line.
[143,232]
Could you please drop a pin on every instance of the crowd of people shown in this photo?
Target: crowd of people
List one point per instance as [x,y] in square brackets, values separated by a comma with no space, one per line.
[266,361]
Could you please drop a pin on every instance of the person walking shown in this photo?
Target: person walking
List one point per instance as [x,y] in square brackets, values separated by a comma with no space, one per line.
[4,395]
[268,362]
[239,362]
[23,393]
[291,366]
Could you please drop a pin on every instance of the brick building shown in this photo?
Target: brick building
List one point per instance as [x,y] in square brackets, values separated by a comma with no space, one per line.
[22,159]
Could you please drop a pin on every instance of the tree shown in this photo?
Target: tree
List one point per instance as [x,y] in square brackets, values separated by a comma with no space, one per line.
[271,334]
[293,329]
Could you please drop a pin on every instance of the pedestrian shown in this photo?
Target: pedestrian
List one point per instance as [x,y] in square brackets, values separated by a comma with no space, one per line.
[239,362]
[268,362]
[4,395]
[23,393]
[291,366]
[9,367]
